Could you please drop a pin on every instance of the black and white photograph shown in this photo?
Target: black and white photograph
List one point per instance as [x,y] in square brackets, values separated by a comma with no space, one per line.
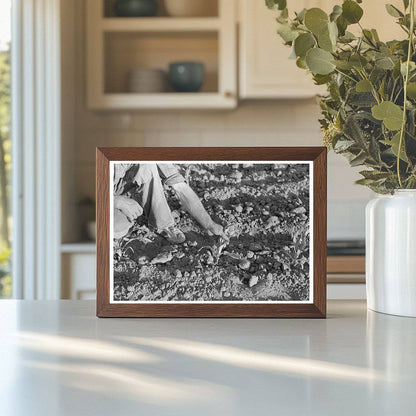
[211,232]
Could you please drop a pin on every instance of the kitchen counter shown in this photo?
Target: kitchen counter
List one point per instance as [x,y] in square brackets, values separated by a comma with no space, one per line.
[58,359]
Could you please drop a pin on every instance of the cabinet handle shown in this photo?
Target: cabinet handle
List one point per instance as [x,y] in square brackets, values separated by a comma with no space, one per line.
[228,94]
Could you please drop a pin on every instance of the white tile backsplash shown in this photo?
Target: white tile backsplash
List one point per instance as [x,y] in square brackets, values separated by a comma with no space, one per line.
[271,123]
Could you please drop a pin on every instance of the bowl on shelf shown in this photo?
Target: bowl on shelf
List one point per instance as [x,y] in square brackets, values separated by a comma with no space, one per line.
[147,80]
[186,76]
[135,8]
[191,8]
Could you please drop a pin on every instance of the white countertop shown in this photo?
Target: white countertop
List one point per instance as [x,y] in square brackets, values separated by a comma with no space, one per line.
[57,359]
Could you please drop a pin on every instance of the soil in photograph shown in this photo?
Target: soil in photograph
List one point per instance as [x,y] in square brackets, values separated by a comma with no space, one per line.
[265,212]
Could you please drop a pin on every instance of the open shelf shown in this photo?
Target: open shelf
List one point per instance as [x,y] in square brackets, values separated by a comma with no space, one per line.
[211,9]
[116,46]
[127,51]
[130,101]
[160,24]
[80,247]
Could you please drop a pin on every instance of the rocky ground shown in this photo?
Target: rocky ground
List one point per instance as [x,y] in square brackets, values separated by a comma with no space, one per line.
[264,210]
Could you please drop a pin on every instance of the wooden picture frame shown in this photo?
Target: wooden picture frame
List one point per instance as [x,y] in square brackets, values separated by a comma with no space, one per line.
[316,305]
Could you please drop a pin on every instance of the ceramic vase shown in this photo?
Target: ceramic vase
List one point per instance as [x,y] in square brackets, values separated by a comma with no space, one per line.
[391,253]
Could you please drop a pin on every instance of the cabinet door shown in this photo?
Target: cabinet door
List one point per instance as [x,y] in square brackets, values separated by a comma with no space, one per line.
[78,276]
[265,68]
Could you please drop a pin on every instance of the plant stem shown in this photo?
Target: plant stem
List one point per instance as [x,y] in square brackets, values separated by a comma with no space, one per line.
[373,89]
[406,80]
[345,75]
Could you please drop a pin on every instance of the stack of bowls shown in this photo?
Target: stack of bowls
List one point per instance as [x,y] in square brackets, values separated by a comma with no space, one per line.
[147,80]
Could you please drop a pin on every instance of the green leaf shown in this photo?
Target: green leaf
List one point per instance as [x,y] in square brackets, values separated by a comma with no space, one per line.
[361,99]
[347,37]
[381,89]
[303,43]
[375,35]
[276,4]
[319,61]
[388,112]
[385,63]
[393,11]
[377,75]
[333,32]
[374,150]
[316,20]
[406,4]
[363,86]
[394,145]
[358,61]
[368,36]
[354,131]
[300,17]
[343,65]
[411,90]
[321,79]
[286,32]
[336,12]
[343,145]
[325,43]
[301,63]
[351,11]
[364,181]
[374,175]
[284,14]
[358,160]
[412,67]
[342,25]
[396,71]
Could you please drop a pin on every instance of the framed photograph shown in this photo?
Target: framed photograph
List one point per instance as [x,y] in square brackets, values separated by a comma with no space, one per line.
[211,232]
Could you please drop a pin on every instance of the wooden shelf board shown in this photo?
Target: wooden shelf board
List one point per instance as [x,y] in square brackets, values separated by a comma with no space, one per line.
[163,101]
[160,24]
[345,278]
[346,264]
[80,247]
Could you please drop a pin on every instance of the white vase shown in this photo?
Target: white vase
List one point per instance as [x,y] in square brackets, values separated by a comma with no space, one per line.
[391,253]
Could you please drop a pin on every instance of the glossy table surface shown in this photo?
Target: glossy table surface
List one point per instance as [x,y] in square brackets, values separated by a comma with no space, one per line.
[56,358]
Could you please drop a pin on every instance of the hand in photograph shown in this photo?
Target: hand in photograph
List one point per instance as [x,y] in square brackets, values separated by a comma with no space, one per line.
[128,206]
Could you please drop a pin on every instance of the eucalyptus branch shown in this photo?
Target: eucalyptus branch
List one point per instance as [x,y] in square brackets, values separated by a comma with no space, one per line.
[373,89]
[392,90]
[364,108]
[398,95]
[345,75]
[406,80]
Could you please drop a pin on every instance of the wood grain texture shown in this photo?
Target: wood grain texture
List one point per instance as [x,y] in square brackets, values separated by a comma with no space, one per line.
[346,264]
[317,309]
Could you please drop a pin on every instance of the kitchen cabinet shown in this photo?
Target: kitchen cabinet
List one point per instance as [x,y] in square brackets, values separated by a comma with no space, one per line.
[116,46]
[265,70]
[78,263]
